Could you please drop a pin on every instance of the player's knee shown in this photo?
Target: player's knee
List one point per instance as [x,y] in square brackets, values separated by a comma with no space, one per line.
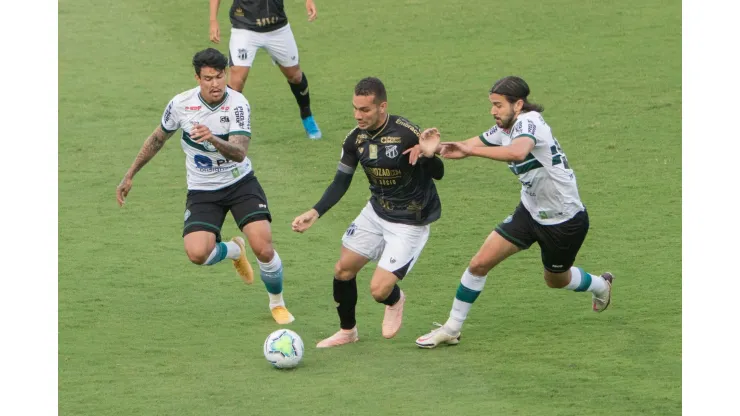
[340,273]
[379,291]
[477,267]
[556,280]
[197,256]
[295,77]
[264,252]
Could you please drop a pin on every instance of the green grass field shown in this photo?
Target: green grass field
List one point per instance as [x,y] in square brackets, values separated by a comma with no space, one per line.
[144,332]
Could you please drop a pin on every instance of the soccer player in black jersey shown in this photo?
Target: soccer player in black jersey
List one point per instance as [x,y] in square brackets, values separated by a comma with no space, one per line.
[394,225]
[263,24]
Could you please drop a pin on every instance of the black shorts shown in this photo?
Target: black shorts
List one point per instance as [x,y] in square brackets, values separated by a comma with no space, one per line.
[206,210]
[559,243]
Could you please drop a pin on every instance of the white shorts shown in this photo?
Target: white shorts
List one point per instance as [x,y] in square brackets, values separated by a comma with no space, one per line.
[280,44]
[395,246]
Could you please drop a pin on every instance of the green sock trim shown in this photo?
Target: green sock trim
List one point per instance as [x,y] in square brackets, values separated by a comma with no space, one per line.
[585,281]
[466,294]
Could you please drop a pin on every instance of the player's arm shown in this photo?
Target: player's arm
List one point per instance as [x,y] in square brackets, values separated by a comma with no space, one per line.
[234,149]
[215,31]
[152,145]
[336,189]
[517,151]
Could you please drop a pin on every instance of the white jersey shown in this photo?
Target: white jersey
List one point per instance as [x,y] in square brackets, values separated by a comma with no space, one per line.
[207,169]
[549,189]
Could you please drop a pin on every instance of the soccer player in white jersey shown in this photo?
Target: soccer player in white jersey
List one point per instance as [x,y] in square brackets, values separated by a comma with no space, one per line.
[215,124]
[550,212]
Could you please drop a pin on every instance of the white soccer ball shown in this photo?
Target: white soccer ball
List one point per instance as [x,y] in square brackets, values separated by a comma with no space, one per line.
[284,348]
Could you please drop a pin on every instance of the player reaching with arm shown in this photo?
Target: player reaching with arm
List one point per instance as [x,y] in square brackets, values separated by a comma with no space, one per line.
[215,123]
[550,212]
[394,225]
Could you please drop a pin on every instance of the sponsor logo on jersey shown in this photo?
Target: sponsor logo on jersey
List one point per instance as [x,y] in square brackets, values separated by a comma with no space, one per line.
[531,127]
[203,162]
[224,119]
[508,219]
[391,151]
[187,214]
[518,127]
[225,108]
[262,206]
[193,108]
[390,140]
[373,151]
[167,113]
[208,146]
[239,113]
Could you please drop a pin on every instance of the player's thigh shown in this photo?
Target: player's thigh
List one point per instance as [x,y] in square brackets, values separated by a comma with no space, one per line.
[349,264]
[364,235]
[560,243]
[243,45]
[513,234]
[204,217]
[403,246]
[281,46]
[494,250]
[248,205]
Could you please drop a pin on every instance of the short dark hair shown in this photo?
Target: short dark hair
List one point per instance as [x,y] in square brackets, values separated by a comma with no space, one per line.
[371,86]
[211,58]
[515,88]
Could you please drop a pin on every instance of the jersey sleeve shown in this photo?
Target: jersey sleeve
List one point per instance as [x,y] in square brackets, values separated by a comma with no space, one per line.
[170,121]
[348,160]
[240,120]
[492,136]
[527,128]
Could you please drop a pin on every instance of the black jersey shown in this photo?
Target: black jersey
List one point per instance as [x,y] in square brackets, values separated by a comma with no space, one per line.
[258,15]
[400,192]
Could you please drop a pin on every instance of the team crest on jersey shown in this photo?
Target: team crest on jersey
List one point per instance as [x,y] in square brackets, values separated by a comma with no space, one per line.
[242,53]
[391,151]
[208,146]
[373,148]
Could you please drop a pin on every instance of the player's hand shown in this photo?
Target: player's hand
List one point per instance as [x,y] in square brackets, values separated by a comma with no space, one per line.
[200,133]
[311,10]
[304,221]
[215,32]
[413,153]
[429,142]
[455,150]
[123,189]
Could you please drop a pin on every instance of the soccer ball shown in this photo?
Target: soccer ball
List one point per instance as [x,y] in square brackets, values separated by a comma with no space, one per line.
[284,348]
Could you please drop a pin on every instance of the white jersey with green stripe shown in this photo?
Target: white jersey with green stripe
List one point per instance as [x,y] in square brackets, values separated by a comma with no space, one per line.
[549,189]
[207,169]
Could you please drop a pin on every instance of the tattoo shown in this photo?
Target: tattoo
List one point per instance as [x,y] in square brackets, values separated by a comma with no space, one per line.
[235,149]
[151,146]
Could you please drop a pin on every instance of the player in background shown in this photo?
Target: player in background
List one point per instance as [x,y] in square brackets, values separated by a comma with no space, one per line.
[215,123]
[550,212]
[394,225]
[263,24]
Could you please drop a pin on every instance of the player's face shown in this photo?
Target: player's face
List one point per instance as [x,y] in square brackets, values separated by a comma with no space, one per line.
[503,111]
[212,84]
[368,114]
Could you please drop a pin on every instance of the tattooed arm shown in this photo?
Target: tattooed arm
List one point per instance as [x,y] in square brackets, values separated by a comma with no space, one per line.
[151,146]
[235,149]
